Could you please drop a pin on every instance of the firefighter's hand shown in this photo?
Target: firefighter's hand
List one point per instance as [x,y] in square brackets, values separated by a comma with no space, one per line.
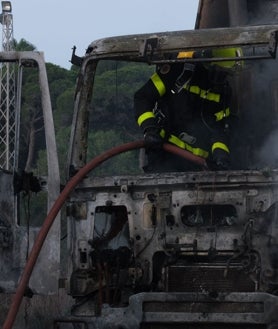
[220,160]
[152,138]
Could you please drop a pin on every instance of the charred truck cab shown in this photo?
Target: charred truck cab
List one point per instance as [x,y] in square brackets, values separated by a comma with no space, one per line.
[174,250]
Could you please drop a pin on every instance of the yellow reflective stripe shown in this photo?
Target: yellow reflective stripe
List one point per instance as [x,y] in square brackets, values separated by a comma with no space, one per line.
[194,89]
[210,96]
[162,133]
[178,142]
[158,83]
[204,93]
[145,116]
[181,144]
[222,114]
[219,145]
[196,151]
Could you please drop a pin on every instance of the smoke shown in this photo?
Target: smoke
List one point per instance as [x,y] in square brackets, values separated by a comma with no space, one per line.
[265,90]
[262,12]
[267,155]
[257,134]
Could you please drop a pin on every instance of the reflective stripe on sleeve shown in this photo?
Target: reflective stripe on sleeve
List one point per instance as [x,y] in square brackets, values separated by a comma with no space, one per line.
[158,83]
[145,116]
[219,145]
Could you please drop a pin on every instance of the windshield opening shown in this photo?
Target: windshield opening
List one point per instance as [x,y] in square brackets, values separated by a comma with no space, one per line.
[112,118]
[252,125]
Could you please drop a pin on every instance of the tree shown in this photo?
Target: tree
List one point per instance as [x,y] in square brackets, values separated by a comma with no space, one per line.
[24,45]
[101,141]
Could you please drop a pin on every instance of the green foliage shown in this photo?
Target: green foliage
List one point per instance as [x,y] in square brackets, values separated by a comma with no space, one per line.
[64,108]
[112,119]
[23,45]
[123,79]
[112,104]
[62,138]
[41,164]
[60,81]
[101,141]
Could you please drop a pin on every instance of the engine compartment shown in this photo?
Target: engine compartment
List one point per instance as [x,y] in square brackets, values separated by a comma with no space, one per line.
[172,234]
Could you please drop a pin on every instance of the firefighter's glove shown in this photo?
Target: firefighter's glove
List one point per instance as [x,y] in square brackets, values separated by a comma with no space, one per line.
[152,138]
[220,160]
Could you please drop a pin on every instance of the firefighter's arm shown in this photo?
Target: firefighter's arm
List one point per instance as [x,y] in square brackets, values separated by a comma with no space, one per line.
[144,102]
[146,98]
[160,83]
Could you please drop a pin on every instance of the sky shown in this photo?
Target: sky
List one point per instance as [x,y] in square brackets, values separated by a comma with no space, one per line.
[55,26]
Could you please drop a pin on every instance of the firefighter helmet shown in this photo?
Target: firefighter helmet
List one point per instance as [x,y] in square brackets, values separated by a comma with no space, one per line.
[221,53]
[232,52]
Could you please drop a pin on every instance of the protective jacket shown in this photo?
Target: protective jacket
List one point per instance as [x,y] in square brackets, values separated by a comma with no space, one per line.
[190,106]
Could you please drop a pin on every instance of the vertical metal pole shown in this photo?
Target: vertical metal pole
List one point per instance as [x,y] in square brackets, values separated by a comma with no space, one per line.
[17,114]
[8,122]
[7,119]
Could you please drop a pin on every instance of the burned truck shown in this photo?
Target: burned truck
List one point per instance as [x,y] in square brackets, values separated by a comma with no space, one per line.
[192,249]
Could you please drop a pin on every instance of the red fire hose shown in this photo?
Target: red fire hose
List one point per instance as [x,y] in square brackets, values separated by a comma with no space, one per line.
[75,180]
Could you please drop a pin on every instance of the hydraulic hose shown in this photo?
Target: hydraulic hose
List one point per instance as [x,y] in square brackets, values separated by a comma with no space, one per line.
[75,180]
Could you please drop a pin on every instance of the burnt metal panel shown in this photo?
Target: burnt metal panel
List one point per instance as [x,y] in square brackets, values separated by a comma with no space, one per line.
[208,278]
[14,249]
[131,46]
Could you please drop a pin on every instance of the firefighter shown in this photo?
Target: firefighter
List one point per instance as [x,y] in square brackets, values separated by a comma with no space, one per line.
[187,104]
